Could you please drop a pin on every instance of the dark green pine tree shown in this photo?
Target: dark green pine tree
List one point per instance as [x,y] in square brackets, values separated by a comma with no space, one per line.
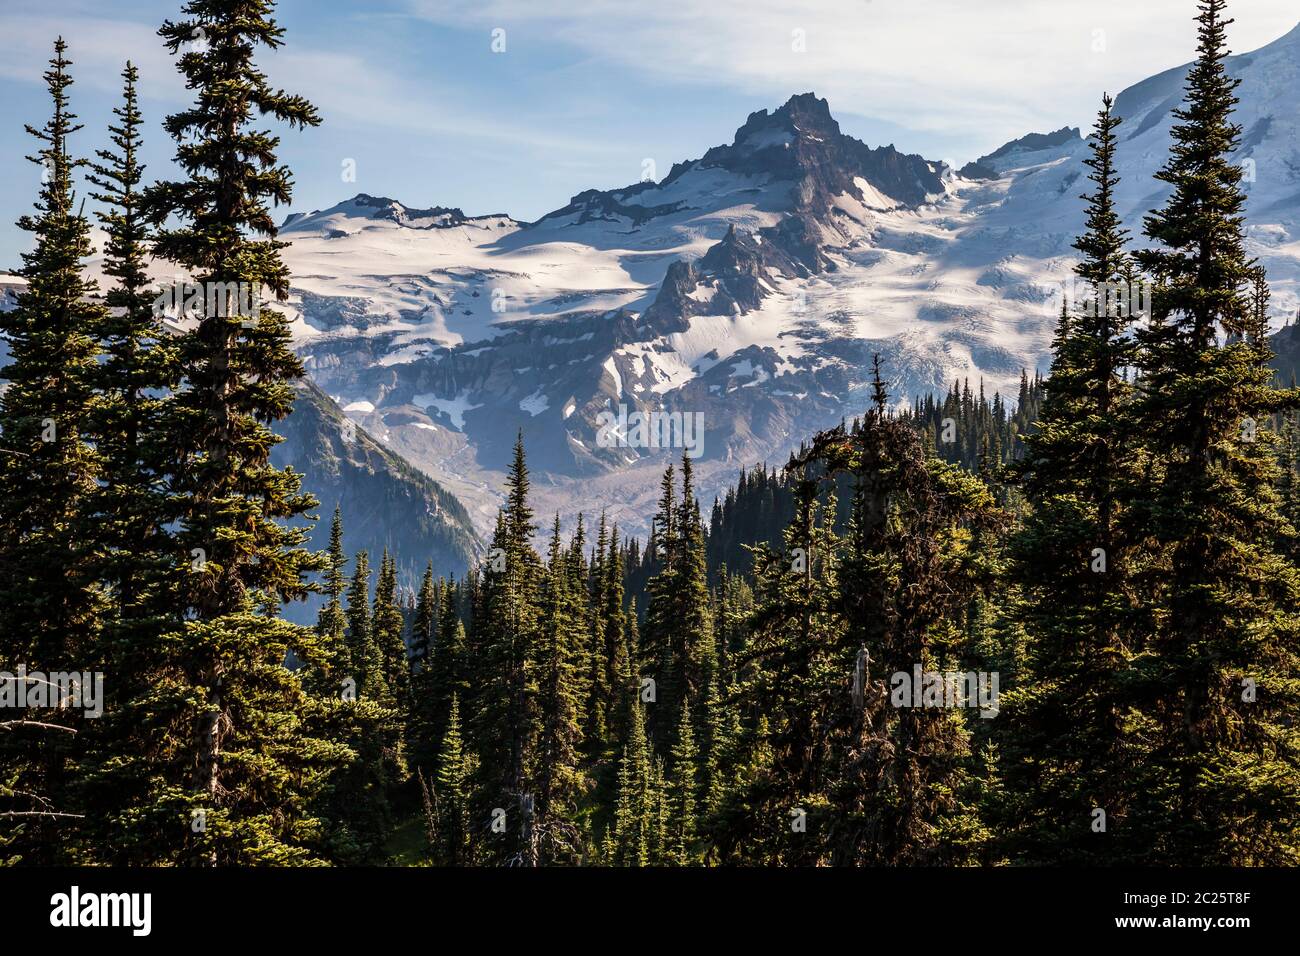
[721,722]
[130,810]
[612,689]
[387,626]
[620,645]
[335,659]
[1225,774]
[137,369]
[660,658]
[1077,560]
[449,675]
[556,778]
[898,778]
[682,817]
[631,838]
[717,746]
[363,653]
[796,647]
[353,804]
[599,659]
[425,624]
[354,709]
[658,847]
[680,652]
[249,768]
[51,614]
[422,744]
[453,801]
[506,724]
[693,615]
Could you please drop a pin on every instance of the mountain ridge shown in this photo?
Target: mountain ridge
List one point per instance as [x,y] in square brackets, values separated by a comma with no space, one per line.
[751,285]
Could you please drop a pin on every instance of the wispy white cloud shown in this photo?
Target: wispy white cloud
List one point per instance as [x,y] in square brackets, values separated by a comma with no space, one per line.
[984,71]
[97,46]
[345,86]
[353,87]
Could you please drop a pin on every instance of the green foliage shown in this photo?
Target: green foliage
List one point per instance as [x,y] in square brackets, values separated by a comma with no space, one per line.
[1226,602]
[52,613]
[248,749]
[1075,563]
[1119,549]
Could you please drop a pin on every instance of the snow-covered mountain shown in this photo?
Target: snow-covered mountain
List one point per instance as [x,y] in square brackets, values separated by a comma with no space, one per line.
[750,287]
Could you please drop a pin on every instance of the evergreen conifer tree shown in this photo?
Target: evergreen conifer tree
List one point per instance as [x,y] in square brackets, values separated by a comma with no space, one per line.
[1225,785]
[249,768]
[1073,742]
[52,610]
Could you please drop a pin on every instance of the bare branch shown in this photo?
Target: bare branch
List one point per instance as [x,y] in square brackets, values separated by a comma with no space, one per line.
[10,724]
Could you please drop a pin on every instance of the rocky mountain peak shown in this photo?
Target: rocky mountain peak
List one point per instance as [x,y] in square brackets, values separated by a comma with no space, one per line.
[803,116]
[384,208]
[801,142]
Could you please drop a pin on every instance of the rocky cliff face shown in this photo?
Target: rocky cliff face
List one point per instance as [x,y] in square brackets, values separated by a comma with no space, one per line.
[801,143]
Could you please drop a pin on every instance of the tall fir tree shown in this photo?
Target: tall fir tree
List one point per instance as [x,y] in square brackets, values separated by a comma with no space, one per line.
[425,623]
[555,774]
[660,658]
[332,621]
[137,370]
[52,610]
[453,802]
[1225,780]
[598,681]
[796,648]
[422,745]
[364,656]
[899,786]
[683,822]
[249,768]
[631,838]
[128,814]
[387,627]
[1078,562]
[505,724]
[693,614]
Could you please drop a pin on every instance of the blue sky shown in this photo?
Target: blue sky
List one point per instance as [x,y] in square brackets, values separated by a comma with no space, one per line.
[413,94]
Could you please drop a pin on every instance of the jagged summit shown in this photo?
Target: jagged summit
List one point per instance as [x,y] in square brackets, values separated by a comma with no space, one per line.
[792,158]
[804,114]
[385,208]
[802,142]
[1009,155]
